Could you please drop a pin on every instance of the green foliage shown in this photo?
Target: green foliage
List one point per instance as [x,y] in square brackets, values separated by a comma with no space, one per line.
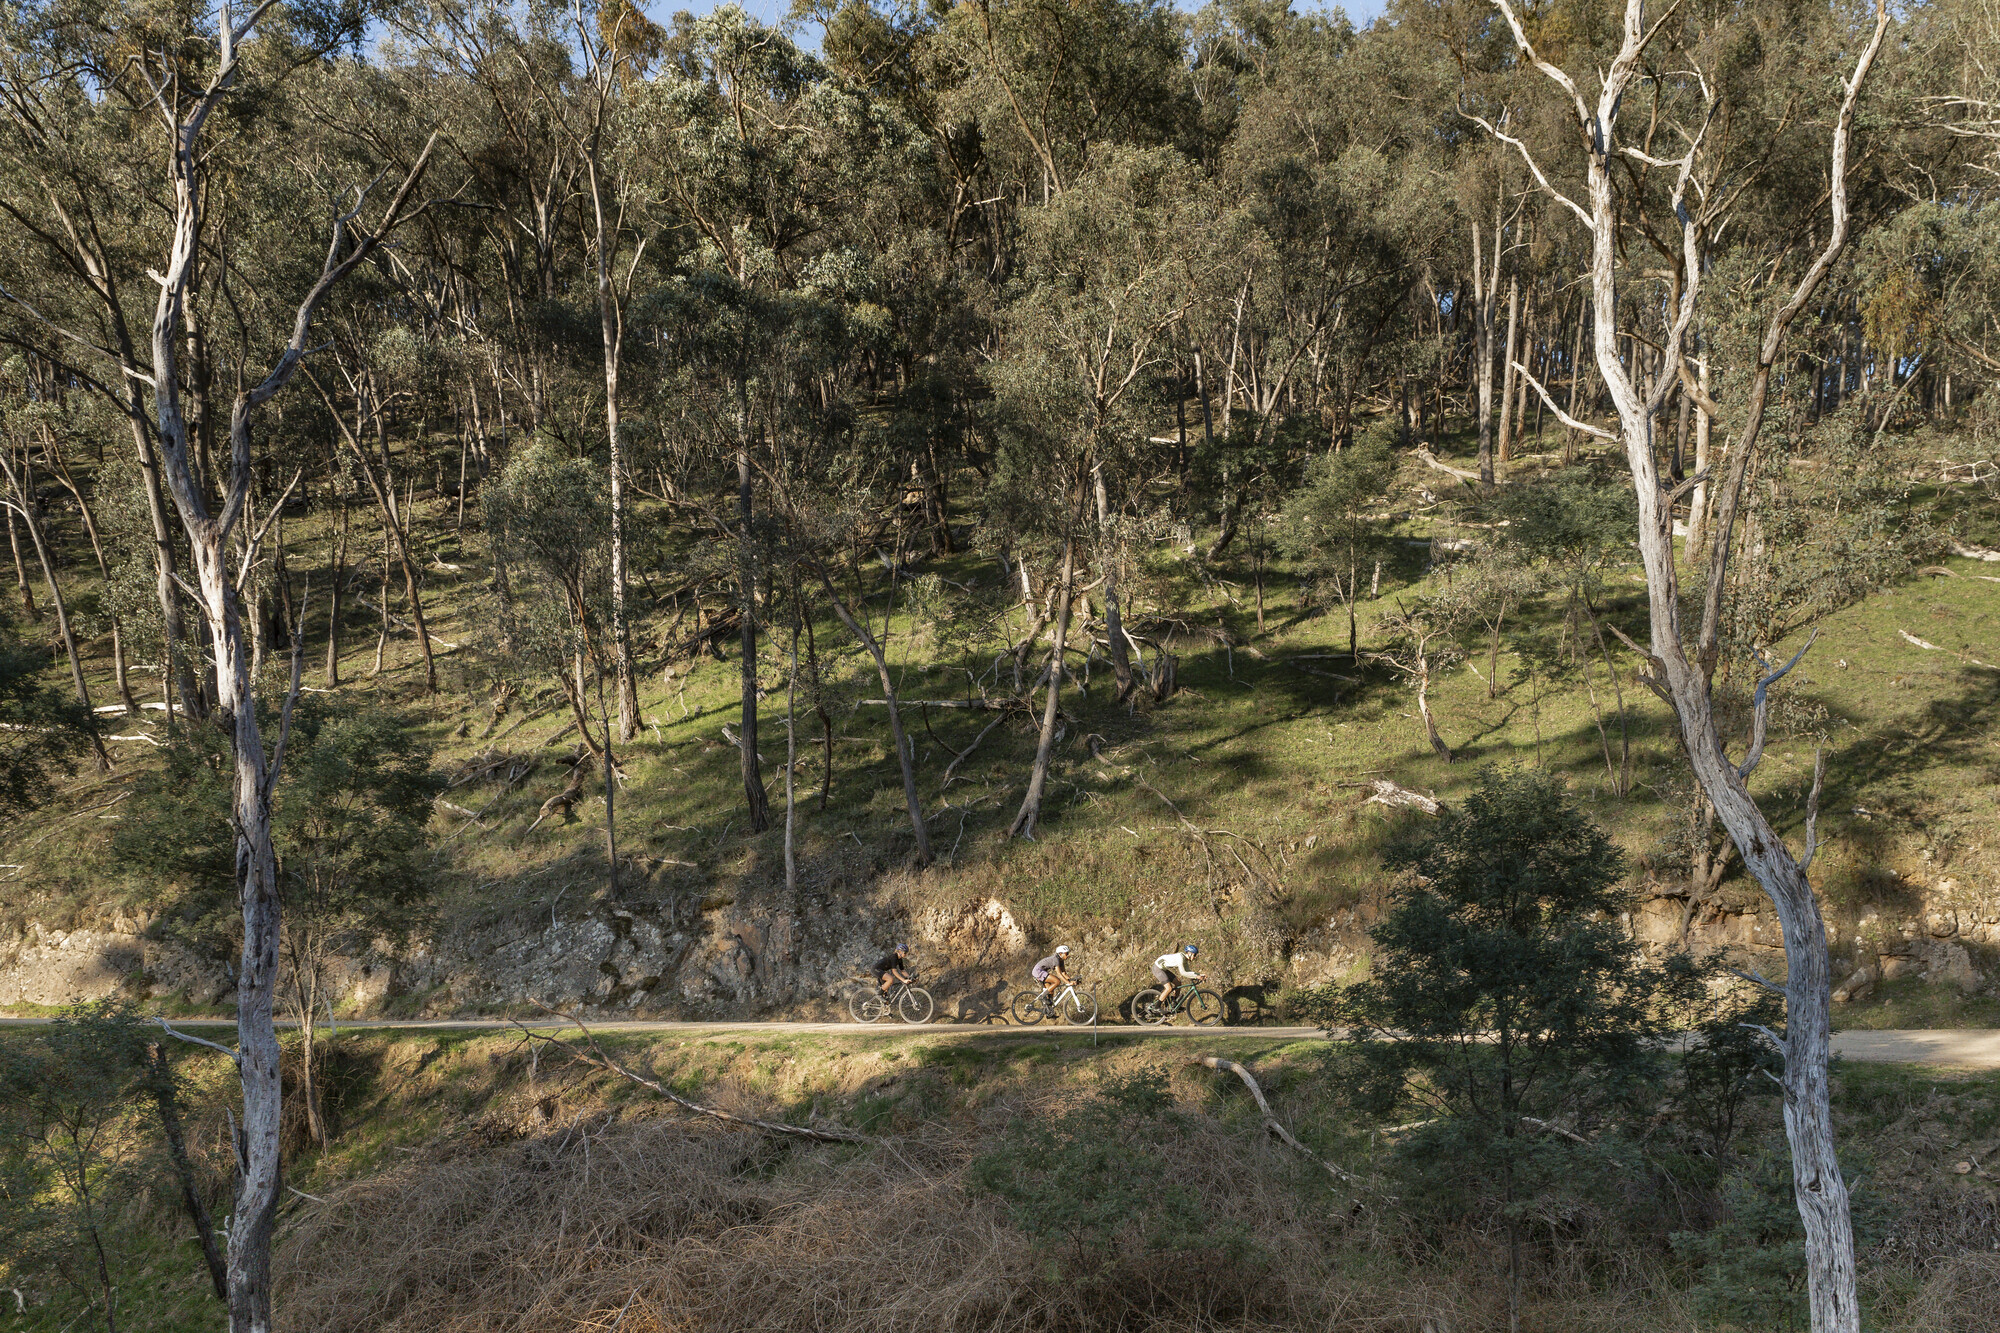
[1573,524]
[1752,1271]
[1330,527]
[43,731]
[1730,1062]
[1091,1174]
[1506,997]
[69,1158]
[348,819]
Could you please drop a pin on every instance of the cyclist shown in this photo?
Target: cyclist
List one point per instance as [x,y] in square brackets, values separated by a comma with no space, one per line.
[1052,972]
[1170,969]
[893,968]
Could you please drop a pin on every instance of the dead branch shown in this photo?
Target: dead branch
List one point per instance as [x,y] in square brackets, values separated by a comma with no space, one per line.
[1759,709]
[966,753]
[1812,811]
[1431,460]
[1271,1123]
[1549,1128]
[598,1059]
[1388,793]
[1930,647]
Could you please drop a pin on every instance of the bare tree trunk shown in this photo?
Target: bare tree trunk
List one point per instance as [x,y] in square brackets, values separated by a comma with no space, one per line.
[1697,537]
[611,324]
[20,569]
[333,610]
[860,630]
[746,579]
[1819,1189]
[177,669]
[22,483]
[118,667]
[1031,805]
[1508,379]
[791,760]
[1114,626]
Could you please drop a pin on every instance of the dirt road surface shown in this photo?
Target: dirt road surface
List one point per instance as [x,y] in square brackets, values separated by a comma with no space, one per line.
[1950,1048]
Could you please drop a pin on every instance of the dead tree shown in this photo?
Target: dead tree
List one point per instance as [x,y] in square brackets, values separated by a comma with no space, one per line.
[1682,679]
[258,1182]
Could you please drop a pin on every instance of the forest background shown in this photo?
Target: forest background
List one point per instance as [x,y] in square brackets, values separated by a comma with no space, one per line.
[1115,440]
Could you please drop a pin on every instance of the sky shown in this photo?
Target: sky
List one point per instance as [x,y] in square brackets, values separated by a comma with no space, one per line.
[1360,12]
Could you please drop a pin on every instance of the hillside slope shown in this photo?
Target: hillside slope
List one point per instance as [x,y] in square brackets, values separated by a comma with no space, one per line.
[1233,812]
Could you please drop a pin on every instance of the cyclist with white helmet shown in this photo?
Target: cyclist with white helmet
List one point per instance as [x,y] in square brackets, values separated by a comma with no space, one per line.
[1170,969]
[1053,972]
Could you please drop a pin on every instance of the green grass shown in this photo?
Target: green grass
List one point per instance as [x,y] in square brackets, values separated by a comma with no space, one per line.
[1256,750]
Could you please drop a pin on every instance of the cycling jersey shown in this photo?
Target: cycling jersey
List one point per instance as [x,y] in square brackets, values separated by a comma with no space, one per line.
[1050,964]
[1176,963]
[892,963]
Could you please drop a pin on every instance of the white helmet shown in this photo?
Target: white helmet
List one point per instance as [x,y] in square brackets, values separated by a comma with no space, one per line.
[1062,948]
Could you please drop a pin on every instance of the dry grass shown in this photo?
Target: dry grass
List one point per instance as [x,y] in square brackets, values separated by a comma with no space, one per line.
[1961,1295]
[605,1223]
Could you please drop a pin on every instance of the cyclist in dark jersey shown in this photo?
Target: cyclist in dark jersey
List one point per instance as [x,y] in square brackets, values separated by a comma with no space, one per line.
[893,968]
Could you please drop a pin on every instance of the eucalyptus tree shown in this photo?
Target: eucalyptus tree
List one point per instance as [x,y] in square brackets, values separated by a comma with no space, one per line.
[173,84]
[757,159]
[1086,331]
[82,208]
[1613,169]
[1049,81]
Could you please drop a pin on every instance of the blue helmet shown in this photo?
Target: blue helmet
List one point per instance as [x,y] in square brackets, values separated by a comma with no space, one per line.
[1190,949]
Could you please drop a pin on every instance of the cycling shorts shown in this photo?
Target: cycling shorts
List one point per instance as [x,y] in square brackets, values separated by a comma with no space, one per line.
[1160,975]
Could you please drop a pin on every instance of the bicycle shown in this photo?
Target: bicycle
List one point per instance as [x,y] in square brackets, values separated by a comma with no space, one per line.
[1073,1006]
[1203,1007]
[911,1001]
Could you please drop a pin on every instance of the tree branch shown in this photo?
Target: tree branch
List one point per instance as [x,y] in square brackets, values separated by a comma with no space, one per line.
[1759,707]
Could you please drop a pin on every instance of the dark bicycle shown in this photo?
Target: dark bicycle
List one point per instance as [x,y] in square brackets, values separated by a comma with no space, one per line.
[907,999]
[1203,1007]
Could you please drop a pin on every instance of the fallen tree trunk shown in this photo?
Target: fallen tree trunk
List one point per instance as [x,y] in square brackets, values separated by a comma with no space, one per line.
[1271,1122]
[597,1059]
[1388,793]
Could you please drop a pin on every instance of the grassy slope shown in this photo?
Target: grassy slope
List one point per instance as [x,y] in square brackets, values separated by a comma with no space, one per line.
[1260,745]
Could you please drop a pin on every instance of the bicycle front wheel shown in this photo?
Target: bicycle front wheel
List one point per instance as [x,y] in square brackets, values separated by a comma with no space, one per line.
[1204,1008]
[915,1005]
[1028,1008]
[1147,1009]
[1079,1008]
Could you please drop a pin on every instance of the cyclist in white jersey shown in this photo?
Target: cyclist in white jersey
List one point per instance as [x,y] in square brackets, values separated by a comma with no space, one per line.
[1171,970]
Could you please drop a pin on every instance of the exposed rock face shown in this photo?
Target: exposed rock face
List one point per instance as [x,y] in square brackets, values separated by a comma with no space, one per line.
[748,950]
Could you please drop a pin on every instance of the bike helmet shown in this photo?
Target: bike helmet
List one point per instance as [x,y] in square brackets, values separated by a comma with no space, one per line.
[1062,948]
[1190,949]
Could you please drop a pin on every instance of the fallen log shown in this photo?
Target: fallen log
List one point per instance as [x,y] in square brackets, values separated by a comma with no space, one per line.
[1271,1122]
[1429,459]
[597,1059]
[1388,793]
[1985,553]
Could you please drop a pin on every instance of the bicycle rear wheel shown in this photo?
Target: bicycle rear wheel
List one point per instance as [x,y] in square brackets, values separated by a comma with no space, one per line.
[856,1003]
[1028,1008]
[1147,1009]
[874,1008]
[1204,1007]
[1078,1008]
[915,1005]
